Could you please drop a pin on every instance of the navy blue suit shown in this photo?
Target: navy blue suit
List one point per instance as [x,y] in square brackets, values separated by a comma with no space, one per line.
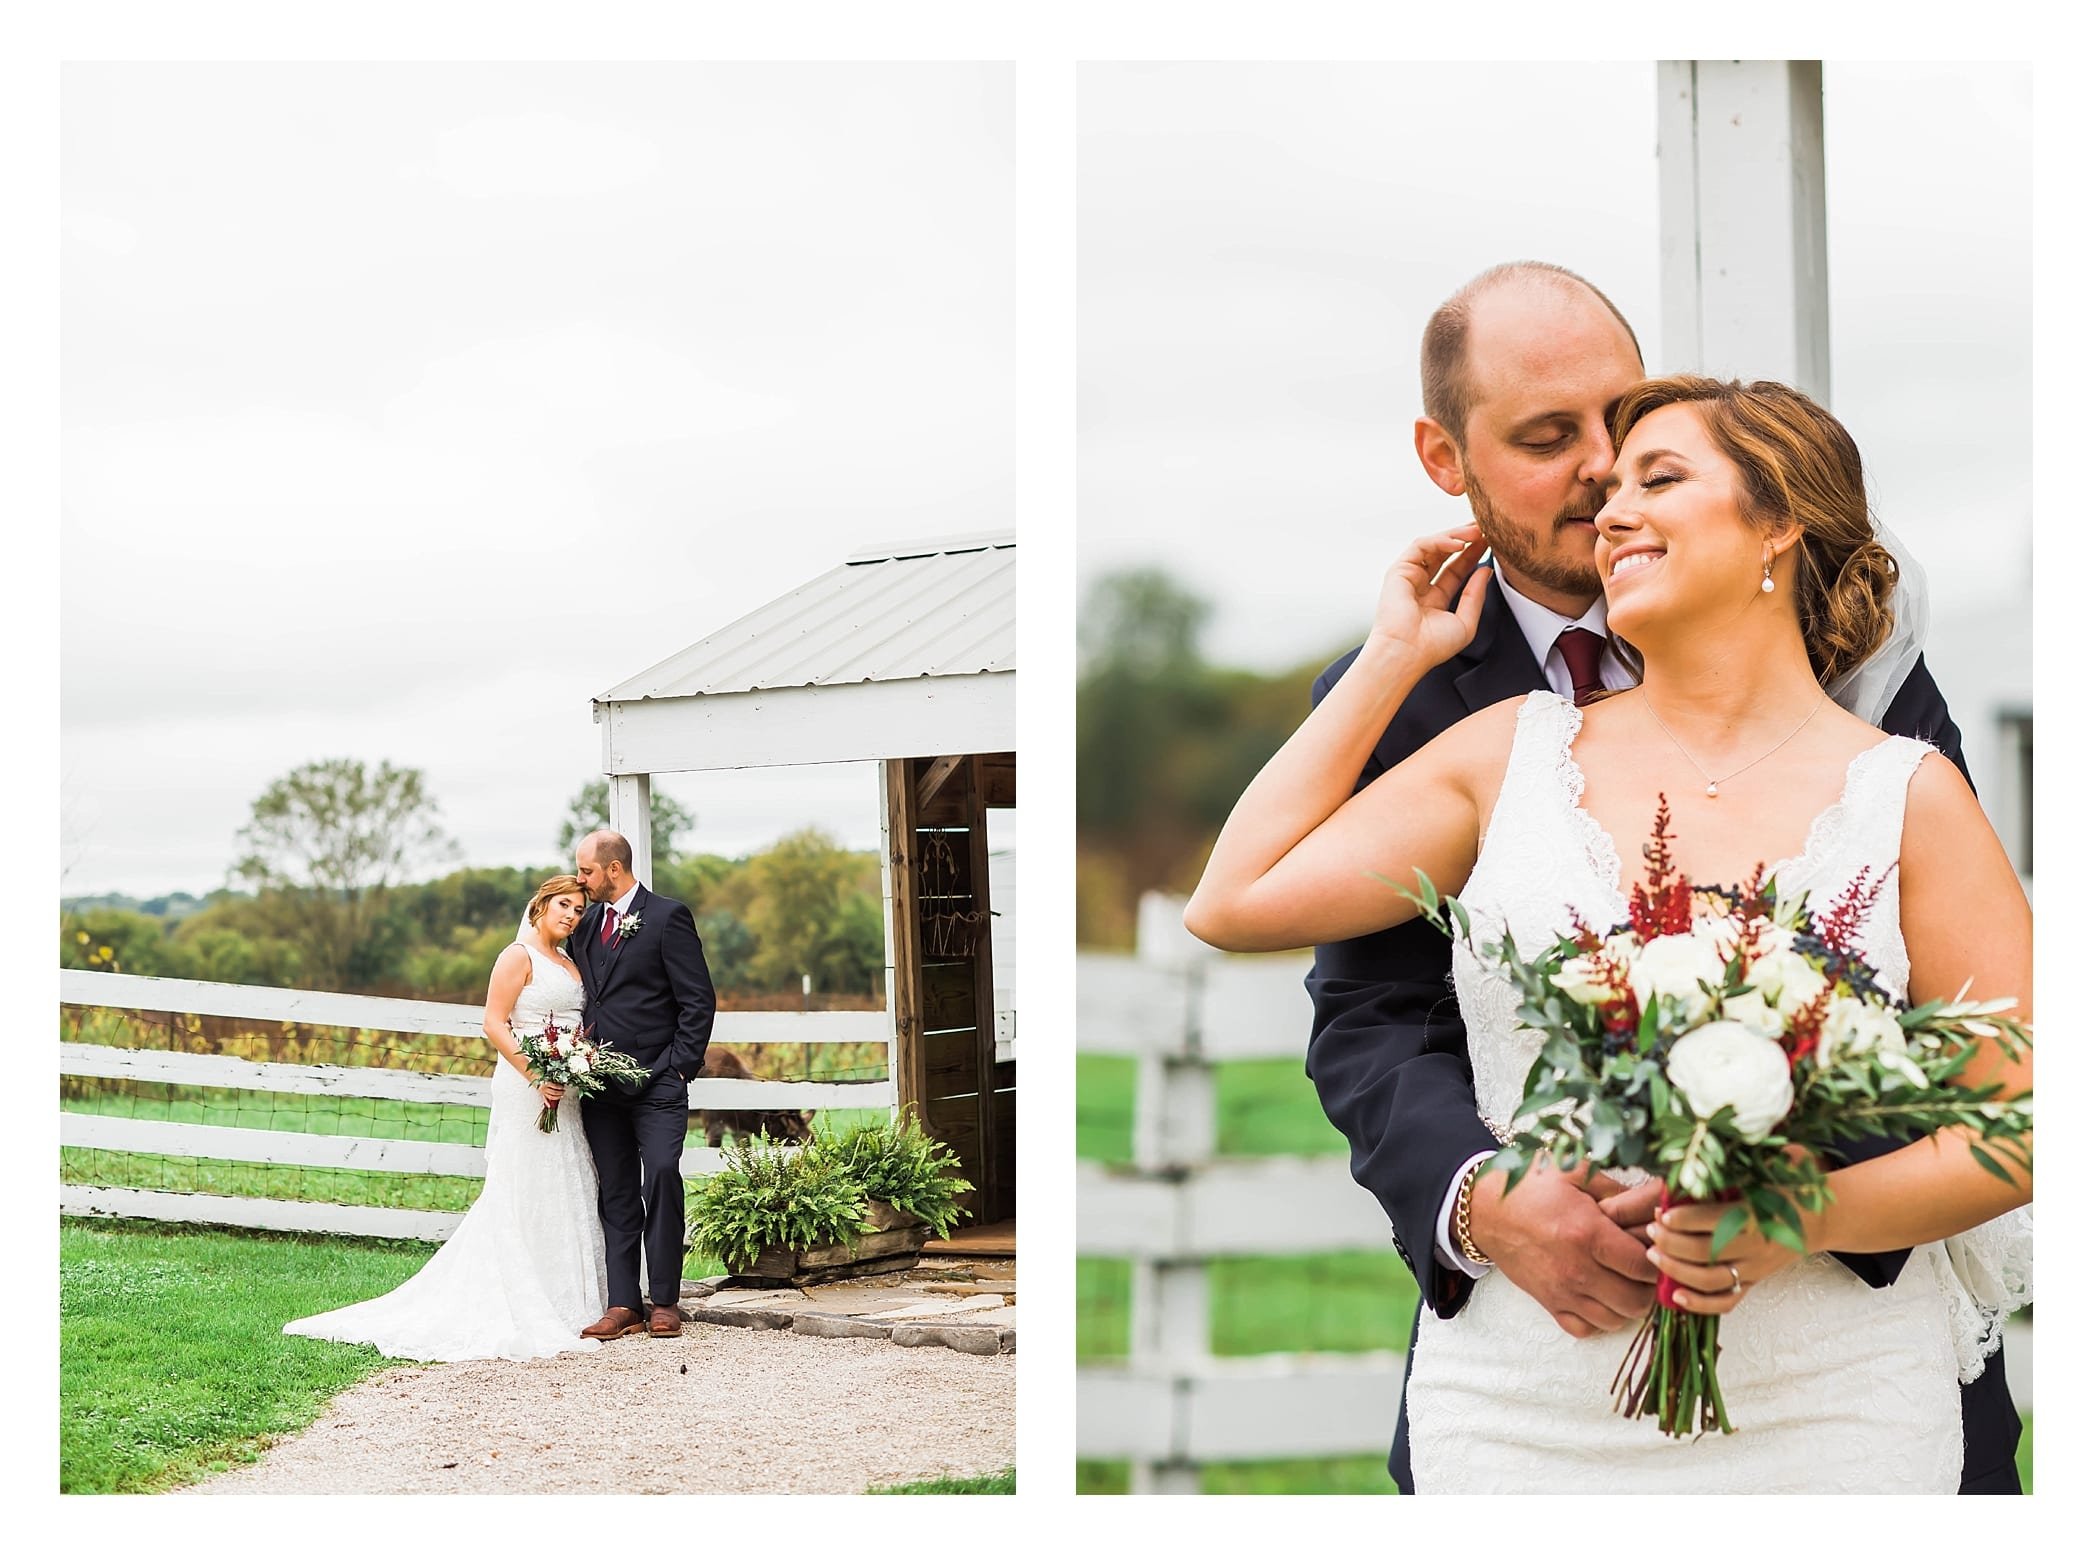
[1389,1055]
[650,996]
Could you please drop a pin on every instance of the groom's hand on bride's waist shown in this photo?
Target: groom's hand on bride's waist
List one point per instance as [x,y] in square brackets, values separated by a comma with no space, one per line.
[1575,1242]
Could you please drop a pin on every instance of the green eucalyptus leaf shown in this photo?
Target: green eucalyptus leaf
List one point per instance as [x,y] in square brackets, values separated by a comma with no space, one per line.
[1734,1219]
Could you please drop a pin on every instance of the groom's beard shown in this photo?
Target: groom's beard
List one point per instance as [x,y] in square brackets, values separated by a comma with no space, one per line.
[1545,565]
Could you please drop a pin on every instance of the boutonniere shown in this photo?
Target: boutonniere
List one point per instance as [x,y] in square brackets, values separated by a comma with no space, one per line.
[628,928]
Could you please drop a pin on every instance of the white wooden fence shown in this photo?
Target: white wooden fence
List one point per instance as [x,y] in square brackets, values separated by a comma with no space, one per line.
[1178,1009]
[359,1012]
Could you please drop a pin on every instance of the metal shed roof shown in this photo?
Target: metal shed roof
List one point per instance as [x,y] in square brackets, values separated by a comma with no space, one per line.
[945,607]
[904,650]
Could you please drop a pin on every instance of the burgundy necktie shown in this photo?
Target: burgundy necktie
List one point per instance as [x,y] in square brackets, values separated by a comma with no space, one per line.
[610,926]
[1581,651]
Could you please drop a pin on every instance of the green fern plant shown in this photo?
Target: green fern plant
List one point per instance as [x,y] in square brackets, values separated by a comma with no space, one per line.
[897,1162]
[770,1195]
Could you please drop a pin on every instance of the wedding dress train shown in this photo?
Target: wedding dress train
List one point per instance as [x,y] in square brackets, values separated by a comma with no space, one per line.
[523,1274]
[1832,1386]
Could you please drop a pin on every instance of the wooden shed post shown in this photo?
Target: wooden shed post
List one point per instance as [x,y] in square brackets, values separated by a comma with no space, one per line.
[997,1198]
[905,936]
[631,814]
[1740,167]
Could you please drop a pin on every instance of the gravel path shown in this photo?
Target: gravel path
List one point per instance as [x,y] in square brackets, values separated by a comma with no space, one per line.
[751,1411]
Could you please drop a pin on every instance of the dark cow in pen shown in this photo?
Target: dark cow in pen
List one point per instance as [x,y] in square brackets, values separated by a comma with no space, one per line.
[726,1064]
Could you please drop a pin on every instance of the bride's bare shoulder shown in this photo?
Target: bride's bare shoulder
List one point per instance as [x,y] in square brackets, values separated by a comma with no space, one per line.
[1940,795]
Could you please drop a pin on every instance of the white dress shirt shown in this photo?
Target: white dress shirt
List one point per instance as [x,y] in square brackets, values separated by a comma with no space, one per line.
[1540,626]
[623,904]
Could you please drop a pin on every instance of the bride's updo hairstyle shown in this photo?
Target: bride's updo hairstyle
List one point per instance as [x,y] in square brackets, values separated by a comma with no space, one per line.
[1797,464]
[558,885]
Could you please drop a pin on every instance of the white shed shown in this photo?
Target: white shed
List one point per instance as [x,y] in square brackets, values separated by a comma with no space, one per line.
[905,655]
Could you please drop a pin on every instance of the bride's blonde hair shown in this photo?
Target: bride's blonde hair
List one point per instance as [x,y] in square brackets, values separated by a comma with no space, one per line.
[1798,465]
[558,885]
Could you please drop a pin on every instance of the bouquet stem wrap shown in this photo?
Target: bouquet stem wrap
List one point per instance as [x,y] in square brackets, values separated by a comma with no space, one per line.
[1669,1371]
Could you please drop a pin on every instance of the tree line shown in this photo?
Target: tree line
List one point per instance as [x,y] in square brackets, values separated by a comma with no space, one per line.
[322,896]
[1165,742]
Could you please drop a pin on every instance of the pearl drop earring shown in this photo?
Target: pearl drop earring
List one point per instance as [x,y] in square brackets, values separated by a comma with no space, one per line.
[1766,585]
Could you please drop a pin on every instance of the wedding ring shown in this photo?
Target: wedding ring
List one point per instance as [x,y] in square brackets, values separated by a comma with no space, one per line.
[1736,1279]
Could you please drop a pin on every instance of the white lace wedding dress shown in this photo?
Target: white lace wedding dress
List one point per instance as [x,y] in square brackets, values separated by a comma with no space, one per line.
[1831,1385]
[523,1273]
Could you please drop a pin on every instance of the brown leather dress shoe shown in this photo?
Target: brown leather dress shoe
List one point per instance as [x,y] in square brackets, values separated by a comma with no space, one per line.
[615,1324]
[664,1323]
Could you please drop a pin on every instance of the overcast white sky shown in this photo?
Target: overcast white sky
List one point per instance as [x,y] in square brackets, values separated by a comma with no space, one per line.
[1261,245]
[407,406]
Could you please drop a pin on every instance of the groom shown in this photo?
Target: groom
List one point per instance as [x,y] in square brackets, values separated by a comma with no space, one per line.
[1521,371]
[649,996]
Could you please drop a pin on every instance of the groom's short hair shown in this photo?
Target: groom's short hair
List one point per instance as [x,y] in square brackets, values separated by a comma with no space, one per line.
[1449,390]
[607,846]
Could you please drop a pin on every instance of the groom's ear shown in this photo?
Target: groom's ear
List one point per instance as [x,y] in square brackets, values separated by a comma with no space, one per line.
[1440,456]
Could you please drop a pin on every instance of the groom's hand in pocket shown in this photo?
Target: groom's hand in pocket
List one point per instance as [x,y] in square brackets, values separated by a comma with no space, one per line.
[1576,1242]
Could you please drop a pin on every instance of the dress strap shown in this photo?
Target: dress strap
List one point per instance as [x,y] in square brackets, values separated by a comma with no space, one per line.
[1865,824]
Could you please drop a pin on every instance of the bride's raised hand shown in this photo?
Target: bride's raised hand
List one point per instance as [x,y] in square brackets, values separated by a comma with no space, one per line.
[1432,598]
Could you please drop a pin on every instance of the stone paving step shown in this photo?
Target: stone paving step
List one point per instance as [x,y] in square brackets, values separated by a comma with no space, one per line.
[906,1309]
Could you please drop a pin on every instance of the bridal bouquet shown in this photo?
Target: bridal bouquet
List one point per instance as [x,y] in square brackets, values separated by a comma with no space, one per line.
[562,1054]
[1723,1038]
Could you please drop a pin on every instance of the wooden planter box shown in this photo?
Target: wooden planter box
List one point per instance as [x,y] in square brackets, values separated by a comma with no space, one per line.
[897,1244]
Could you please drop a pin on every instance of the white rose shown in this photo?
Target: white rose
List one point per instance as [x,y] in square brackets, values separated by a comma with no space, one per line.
[1773,937]
[1726,1065]
[1677,965]
[563,1044]
[1584,979]
[1790,982]
[579,1063]
[1750,1010]
[1719,930]
[1854,1028]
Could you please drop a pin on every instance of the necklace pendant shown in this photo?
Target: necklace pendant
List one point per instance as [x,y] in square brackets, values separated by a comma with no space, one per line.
[1711,791]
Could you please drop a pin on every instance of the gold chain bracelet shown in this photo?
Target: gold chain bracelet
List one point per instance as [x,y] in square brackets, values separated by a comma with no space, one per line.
[1462,1203]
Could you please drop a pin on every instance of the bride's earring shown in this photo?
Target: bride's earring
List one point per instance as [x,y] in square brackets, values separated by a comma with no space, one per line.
[1766,584]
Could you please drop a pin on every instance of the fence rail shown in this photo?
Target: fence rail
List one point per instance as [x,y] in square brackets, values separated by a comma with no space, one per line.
[1177,1009]
[371,1012]
[285,1147]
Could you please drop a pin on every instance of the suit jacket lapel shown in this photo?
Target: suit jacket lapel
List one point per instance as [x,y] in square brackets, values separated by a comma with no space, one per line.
[583,946]
[1499,663]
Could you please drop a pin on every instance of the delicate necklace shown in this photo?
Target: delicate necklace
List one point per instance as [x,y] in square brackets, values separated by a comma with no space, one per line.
[1703,771]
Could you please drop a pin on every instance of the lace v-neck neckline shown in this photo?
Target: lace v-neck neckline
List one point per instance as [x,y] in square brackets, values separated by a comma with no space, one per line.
[555,960]
[1603,854]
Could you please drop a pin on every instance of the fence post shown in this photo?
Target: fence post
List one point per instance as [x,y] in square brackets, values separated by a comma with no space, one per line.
[1173,1130]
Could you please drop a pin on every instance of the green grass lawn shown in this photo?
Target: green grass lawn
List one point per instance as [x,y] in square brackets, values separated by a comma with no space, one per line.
[171,1360]
[1339,1302]
[1003,1484]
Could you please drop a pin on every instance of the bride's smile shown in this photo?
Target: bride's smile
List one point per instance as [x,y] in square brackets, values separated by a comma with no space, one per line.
[1677,541]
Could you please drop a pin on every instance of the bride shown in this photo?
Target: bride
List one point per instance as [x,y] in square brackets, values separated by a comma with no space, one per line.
[523,1273]
[1739,562]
